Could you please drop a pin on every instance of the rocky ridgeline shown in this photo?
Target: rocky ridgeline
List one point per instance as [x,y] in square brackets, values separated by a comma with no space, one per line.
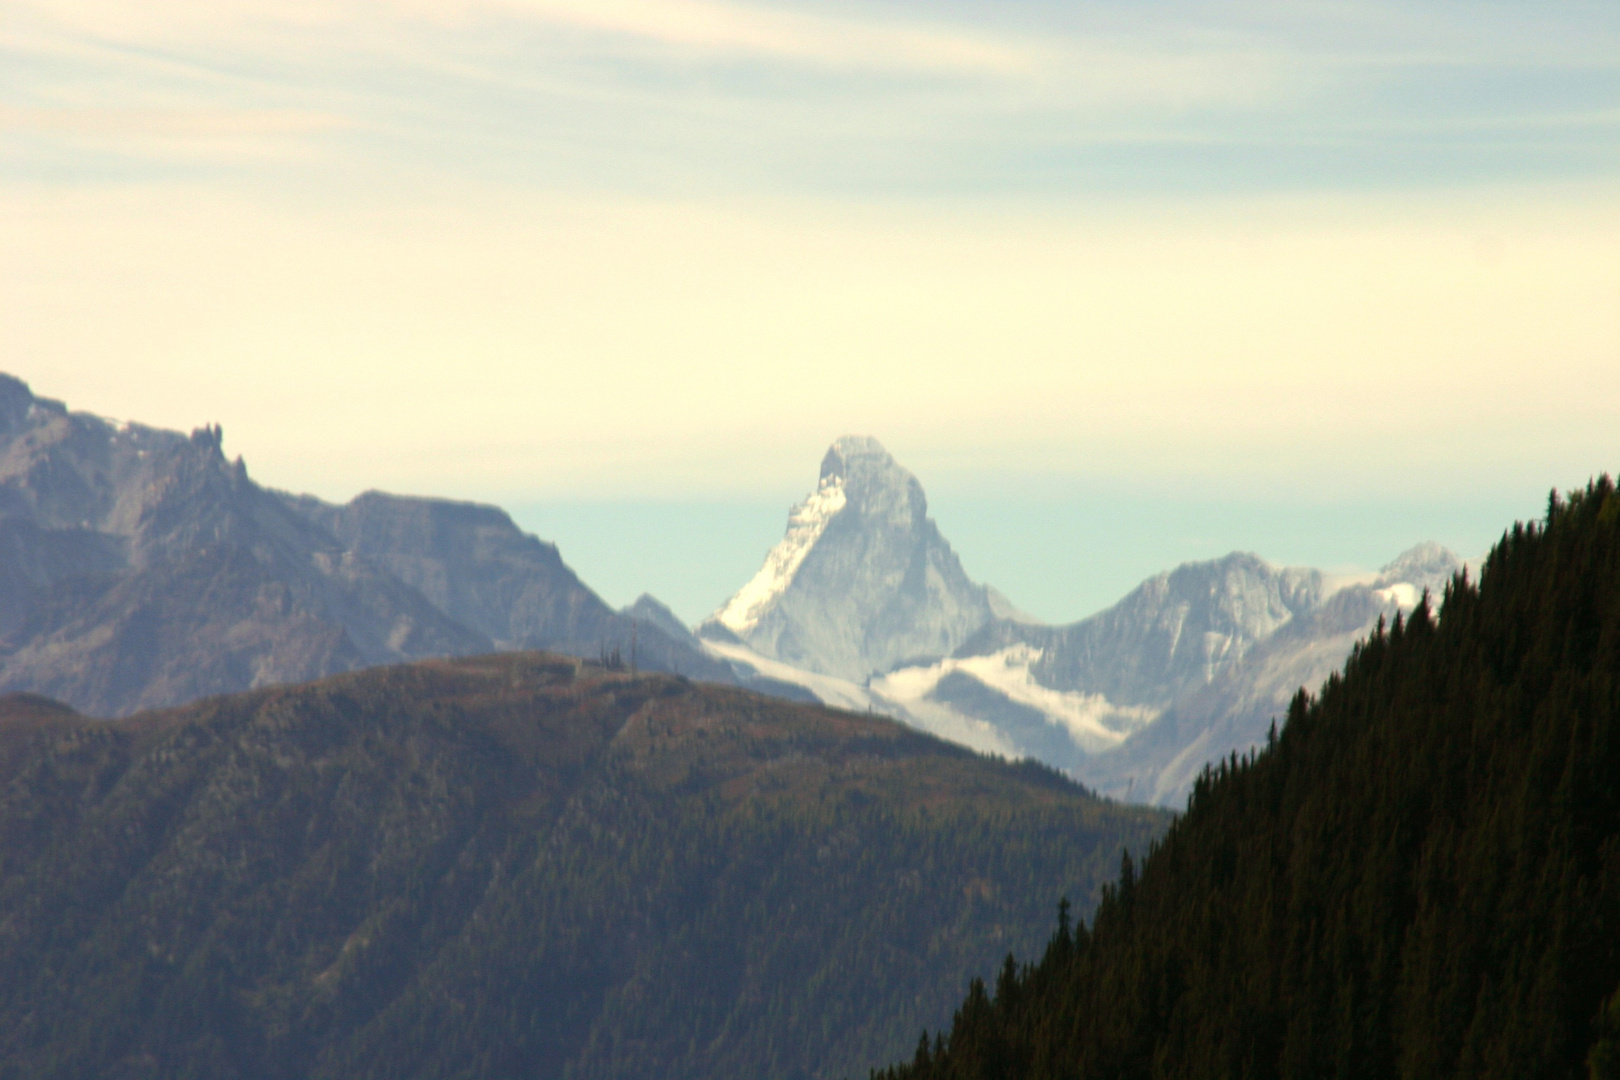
[144,569]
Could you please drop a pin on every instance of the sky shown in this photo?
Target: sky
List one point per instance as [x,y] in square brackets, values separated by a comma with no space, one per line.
[1124,284]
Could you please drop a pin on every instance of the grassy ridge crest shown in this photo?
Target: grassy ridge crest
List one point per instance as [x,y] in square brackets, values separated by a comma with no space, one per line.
[504,866]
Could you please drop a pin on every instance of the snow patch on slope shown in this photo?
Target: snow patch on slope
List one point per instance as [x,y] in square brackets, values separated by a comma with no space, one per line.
[1403,594]
[830,690]
[1092,721]
[932,717]
[806,523]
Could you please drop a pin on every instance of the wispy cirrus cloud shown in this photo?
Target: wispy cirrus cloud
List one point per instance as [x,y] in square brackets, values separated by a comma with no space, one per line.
[625,88]
[190,123]
[895,98]
[706,27]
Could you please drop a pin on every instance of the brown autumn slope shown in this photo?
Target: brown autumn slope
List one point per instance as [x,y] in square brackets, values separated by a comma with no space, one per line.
[509,866]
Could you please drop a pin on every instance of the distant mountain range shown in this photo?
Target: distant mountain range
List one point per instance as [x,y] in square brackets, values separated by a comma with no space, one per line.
[142,569]
[865,605]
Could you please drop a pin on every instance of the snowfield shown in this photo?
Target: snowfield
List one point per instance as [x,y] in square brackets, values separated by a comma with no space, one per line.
[1092,721]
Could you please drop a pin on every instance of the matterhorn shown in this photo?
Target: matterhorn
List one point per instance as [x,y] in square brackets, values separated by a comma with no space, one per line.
[863,581]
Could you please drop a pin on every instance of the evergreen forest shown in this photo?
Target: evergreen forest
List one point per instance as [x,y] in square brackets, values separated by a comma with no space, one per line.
[1418,875]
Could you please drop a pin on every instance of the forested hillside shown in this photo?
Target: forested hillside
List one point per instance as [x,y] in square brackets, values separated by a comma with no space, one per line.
[1419,877]
[510,866]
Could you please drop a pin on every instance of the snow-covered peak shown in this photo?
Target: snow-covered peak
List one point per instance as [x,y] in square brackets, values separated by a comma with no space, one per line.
[875,484]
[806,522]
[862,581]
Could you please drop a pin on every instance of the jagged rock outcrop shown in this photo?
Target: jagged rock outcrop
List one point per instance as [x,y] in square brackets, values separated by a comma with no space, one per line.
[143,569]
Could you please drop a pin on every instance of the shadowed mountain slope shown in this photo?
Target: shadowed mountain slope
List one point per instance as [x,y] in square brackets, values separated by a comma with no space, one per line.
[510,866]
[1419,877]
[473,563]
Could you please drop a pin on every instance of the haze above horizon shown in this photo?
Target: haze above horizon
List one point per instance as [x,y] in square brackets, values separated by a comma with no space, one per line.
[1121,285]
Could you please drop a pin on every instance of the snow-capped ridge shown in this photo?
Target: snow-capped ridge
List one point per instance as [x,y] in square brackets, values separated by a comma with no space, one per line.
[806,522]
[864,605]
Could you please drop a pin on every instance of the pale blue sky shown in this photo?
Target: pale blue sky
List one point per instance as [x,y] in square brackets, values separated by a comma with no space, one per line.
[1059,557]
[1299,270]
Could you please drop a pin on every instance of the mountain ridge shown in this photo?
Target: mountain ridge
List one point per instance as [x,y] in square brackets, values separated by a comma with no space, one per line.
[143,569]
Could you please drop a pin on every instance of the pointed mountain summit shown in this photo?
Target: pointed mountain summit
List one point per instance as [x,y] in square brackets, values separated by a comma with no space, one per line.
[862,581]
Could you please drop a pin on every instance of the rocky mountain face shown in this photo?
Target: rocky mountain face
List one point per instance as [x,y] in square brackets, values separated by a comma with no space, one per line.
[141,568]
[1234,710]
[512,865]
[1174,632]
[862,581]
[470,561]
